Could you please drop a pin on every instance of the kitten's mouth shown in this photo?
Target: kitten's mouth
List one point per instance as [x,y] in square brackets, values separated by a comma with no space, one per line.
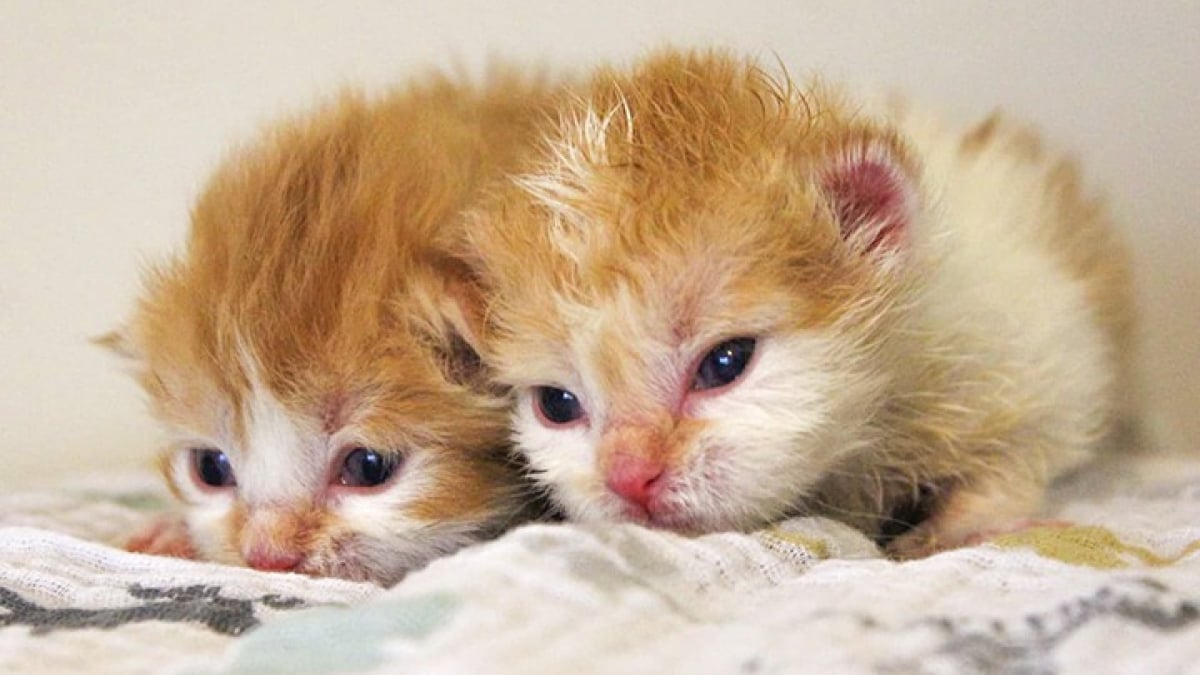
[688,522]
[344,558]
[660,515]
[352,571]
[633,513]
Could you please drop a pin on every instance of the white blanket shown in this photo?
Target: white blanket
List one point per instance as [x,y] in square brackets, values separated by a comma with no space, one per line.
[1116,590]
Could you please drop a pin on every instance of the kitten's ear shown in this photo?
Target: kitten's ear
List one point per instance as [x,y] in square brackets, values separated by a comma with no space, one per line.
[870,186]
[118,342]
[462,308]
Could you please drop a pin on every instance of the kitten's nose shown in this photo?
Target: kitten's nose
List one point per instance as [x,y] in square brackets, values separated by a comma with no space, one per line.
[270,559]
[637,479]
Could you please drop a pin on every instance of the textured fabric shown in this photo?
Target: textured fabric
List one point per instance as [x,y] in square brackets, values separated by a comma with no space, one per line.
[1110,582]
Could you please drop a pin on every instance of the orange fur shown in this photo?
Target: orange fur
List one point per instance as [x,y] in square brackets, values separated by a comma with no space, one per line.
[317,281]
[694,198]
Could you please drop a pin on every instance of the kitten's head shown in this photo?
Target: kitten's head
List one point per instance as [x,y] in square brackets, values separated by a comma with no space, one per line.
[690,291]
[310,352]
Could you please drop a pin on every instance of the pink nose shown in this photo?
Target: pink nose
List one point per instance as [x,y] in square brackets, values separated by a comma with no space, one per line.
[637,479]
[273,560]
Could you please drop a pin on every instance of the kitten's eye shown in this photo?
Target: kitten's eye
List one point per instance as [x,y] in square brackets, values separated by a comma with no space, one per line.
[724,364]
[556,406]
[364,467]
[212,468]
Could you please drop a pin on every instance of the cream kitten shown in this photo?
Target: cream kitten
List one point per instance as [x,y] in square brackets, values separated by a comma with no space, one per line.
[723,300]
[310,350]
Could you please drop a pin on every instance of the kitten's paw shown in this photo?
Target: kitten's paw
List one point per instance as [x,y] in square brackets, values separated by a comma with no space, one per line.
[984,536]
[925,541]
[967,517]
[167,536]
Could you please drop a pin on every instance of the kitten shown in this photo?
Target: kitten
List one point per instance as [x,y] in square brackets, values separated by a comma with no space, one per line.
[723,300]
[311,349]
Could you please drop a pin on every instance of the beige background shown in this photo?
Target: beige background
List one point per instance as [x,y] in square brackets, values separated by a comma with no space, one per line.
[111,115]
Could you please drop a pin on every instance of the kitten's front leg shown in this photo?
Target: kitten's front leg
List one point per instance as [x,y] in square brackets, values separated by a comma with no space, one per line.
[166,535]
[972,512]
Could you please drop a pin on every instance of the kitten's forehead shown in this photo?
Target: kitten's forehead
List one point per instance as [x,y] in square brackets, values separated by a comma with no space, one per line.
[636,334]
[283,456]
[683,223]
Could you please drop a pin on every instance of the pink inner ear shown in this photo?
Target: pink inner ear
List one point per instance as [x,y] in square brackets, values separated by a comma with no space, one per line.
[871,199]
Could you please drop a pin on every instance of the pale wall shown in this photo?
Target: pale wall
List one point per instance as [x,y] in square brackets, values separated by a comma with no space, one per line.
[111,115]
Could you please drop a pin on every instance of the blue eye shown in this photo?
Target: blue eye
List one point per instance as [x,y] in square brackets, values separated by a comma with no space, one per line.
[212,467]
[364,467]
[557,406]
[724,364]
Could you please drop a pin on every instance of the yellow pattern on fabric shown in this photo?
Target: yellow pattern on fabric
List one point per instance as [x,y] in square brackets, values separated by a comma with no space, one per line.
[819,548]
[1089,545]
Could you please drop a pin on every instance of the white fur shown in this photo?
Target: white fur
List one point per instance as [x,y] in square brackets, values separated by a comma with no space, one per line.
[564,458]
[560,185]
[795,414]
[206,510]
[283,462]
[994,278]
[381,514]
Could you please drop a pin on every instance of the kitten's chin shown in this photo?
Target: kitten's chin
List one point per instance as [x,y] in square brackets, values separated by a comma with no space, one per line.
[695,524]
[356,561]
[682,523]
[661,515]
[387,560]
[356,571]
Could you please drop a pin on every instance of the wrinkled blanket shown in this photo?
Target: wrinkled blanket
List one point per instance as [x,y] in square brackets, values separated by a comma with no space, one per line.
[1111,585]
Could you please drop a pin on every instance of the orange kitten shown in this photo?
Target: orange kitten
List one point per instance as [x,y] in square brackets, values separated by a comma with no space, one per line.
[723,300]
[310,350]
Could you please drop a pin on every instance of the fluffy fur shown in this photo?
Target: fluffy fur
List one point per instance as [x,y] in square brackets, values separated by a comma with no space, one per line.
[941,317]
[316,310]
